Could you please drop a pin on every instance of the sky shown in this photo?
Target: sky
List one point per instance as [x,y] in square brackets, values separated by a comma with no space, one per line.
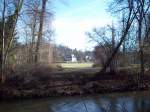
[72,18]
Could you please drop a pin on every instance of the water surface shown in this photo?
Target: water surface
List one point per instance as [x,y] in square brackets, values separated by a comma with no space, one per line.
[114,102]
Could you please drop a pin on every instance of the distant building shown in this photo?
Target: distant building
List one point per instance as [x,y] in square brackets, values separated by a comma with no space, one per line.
[73,58]
[88,58]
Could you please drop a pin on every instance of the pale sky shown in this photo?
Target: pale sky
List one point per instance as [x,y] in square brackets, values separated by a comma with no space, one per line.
[72,18]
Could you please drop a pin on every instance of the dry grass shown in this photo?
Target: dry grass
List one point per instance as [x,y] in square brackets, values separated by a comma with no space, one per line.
[76,65]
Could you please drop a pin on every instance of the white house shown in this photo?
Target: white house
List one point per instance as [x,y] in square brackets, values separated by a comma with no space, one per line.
[73,58]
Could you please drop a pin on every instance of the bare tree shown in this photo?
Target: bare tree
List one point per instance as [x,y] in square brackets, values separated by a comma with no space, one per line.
[36,30]
[3,43]
[42,14]
[105,44]
[133,11]
[33,23]
[8,30]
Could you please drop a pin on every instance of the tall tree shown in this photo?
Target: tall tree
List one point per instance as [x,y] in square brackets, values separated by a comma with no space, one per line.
[42,14]
[140,15]
[3,42]
[134,9]
[8,29]
[32,24]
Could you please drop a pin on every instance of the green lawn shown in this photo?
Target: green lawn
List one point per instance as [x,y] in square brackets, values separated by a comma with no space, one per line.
[76,65]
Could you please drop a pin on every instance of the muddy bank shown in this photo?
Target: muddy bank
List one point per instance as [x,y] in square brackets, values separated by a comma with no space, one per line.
[69,84]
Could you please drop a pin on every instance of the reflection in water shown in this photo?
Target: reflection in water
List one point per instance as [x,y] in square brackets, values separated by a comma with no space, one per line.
[132,102]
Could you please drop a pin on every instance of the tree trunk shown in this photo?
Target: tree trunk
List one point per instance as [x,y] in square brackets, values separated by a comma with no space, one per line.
[3,43]
[40,30]
[140,21]
[113,63]
[140,46]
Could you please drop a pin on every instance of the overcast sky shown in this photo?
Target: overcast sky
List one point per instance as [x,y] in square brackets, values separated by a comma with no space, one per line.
[72,18]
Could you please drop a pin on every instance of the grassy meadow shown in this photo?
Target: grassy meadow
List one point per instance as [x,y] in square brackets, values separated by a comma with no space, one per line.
[76,65]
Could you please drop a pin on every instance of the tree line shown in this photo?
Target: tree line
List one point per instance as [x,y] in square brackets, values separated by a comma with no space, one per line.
[31,15]
[129,36]
[30,21]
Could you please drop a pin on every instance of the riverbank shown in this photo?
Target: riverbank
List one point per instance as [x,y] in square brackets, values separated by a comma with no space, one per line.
[70,84]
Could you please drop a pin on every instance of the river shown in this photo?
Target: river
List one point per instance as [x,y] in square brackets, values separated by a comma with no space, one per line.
[114,102]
